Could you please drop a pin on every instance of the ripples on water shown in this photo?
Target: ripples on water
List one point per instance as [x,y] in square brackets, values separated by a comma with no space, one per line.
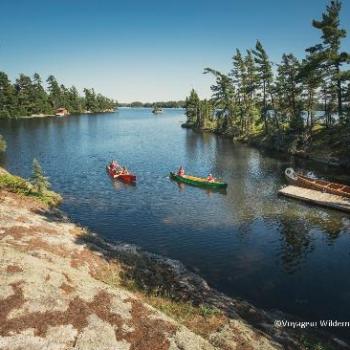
[247,242]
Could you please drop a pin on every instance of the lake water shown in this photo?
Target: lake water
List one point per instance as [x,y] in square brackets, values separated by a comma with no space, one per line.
[247,242]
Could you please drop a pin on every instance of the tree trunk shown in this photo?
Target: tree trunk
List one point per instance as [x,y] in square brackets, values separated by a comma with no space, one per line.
[312,109]
[325,108]
[339,93]
[264,107]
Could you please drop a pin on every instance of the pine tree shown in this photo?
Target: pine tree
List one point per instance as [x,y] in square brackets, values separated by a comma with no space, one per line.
[238,74]
[205,114]
[250,91]
[347,99]
[239,78]
[25,95]
[55,94]
[64,97]
[265,78]
[328,53]
[223,98]
[329,97]
[192,108]
[252,74]
[290,91]
[39,181]
[311,77]
[8,98]
[75,105]
[244,75]
[103,103]
[40,97]
[90,100]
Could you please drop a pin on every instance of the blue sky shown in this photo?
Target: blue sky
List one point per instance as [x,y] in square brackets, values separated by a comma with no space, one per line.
[149,50]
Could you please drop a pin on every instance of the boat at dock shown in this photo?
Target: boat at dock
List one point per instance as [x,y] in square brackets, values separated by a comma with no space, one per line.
[300,180]
[119,174]
[198,181]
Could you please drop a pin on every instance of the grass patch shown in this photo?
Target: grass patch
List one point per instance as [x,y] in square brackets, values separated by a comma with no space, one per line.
[49,198]
[2,144]
[20,186]
[310,343]
[202,319]
[109,274]
[15,184]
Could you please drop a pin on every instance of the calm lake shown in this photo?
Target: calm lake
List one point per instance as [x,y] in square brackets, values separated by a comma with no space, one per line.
[248,242]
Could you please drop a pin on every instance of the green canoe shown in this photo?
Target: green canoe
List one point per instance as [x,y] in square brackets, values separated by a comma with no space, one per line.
[197,181]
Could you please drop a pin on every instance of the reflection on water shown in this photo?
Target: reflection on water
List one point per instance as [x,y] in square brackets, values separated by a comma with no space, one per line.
[120,185]
[247,242]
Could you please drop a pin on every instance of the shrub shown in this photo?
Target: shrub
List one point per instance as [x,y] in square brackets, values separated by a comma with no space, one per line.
[39,181]
[15,184]
[2,144]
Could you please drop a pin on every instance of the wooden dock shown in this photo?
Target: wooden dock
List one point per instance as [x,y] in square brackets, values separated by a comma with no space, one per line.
[320,198]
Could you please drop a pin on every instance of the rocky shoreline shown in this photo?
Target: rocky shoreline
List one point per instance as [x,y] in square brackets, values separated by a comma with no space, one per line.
[328,147]
[62,290]
[186,286]
[35,116]
[53,115]
[64,286]
[295,146]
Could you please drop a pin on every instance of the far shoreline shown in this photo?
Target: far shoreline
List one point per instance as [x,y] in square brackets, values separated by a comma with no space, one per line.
[42,115]
[54,115]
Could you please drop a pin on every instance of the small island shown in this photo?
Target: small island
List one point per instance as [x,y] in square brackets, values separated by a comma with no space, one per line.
[27,98]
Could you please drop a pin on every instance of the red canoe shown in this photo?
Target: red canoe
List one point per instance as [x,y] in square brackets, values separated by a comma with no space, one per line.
[115,174]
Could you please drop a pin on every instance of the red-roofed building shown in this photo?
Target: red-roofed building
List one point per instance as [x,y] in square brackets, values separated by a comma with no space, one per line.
[62,112]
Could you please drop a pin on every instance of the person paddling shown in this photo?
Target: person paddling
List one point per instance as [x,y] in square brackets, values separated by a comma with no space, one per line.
[210,178]
[113,167]
[181,171]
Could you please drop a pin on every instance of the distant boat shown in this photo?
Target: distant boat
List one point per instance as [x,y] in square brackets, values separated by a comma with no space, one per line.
[198,181]
[157,110]
[315,184]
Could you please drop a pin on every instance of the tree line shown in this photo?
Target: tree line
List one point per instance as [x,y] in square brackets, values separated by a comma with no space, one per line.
[27,96]
[164,104]
[258,95]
